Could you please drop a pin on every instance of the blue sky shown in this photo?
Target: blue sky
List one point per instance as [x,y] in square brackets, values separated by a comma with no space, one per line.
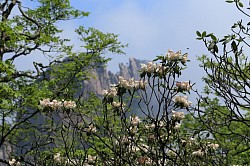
[151,27]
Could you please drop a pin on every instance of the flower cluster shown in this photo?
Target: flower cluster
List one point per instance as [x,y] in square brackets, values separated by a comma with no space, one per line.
[69,104]
[91,129]
[182,101]
[111,93]
[150,126]
[55,104]
[177,115]
[177,126]
[133,130]
[135,120]
[213,146]
[131,83]
[189,141]
[198,153]
[183,86]
[159,124]
[151,67]
[14,162]
[201,152]
[91,159]
[57,157]
[172,56]
[160,69]
[117,104]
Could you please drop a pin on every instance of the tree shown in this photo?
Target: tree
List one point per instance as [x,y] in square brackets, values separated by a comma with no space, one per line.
[45,121]
[223,109]
[33,29]
[112,135]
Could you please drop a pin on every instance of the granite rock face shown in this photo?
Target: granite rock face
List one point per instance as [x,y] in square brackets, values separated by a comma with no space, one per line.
[102,78]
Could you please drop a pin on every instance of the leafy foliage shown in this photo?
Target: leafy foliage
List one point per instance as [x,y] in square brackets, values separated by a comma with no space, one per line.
[26,129]
[226,117]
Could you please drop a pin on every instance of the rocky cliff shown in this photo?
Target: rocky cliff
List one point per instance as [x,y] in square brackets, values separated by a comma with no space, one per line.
[102,78]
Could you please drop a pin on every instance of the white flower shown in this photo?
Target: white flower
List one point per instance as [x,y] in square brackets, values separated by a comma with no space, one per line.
[177,115]
[182,100]
[150,126]
[191,139]
[57,157]
[198,153]
[105,92]
[133,129]
[185,85]
[161,123]
[69,104]
[116,104]
[44,102]
[136,85]
[173,56]
[55,104]
[91,129]
[213,146]
[124,83]
[135,120]
[91,159]
[13,162]
[112,92]
[131,83]
[160,69]
[144,68]
[135,149]
[151,67]
[142,84]
[177,126]
[127,84]
[188,142]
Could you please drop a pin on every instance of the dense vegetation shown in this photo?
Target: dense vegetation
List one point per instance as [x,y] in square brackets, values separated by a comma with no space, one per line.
[46,121]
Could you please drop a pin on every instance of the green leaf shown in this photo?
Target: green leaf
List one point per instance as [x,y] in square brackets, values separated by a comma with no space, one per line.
[234,26]
[229,1]
[240,4]
[213,37]
[198,33]
[234,46]
[222,40]
[204,34]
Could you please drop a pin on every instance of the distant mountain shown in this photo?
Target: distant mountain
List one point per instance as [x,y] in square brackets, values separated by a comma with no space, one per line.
[102,78]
